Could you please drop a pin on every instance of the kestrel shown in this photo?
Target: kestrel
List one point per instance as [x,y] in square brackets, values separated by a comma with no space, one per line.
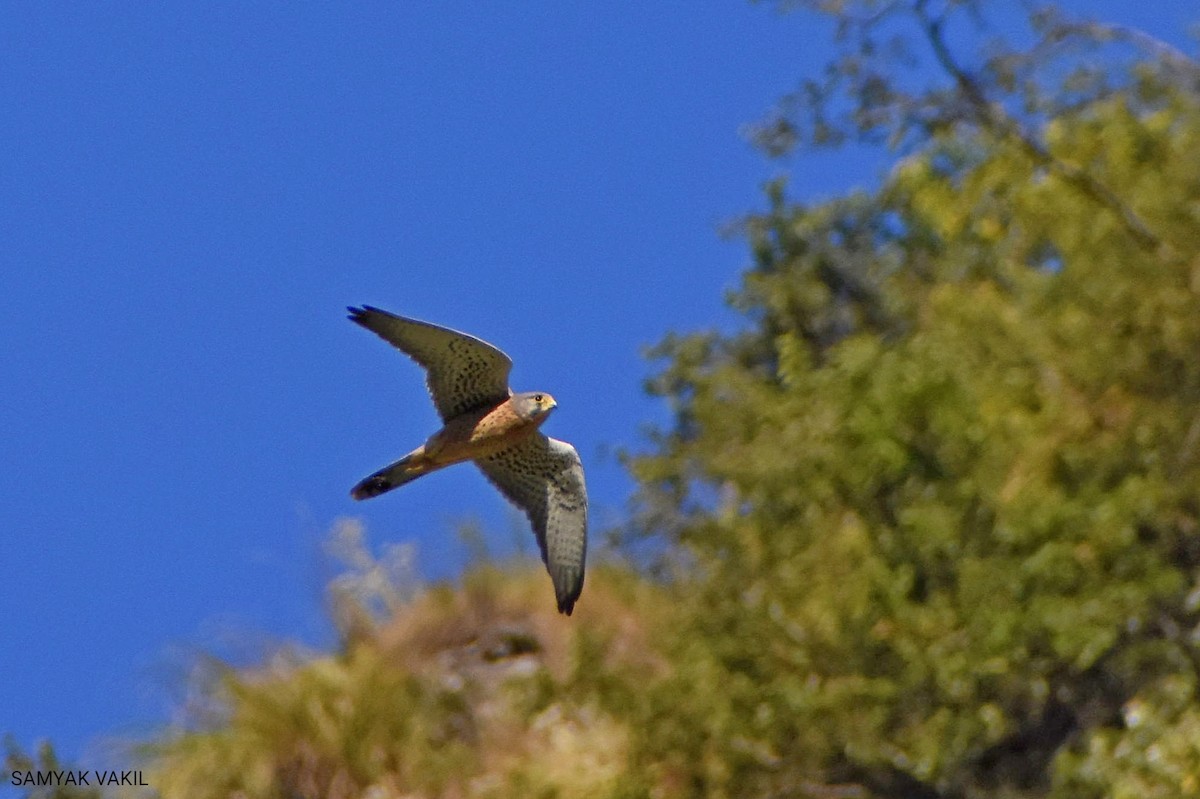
[485,422]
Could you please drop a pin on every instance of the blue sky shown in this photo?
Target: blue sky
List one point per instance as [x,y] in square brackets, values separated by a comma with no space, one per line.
[193,194]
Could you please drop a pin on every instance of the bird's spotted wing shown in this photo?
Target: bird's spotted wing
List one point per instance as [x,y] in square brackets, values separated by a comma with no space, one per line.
[463,373]
[544,477]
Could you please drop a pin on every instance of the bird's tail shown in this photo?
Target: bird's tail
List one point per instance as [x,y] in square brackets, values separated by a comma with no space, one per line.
[405,470]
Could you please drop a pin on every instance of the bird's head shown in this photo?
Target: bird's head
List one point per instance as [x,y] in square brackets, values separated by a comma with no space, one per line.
[534,405]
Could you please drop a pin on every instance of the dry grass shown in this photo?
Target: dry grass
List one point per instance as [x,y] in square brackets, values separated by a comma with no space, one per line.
[481,691]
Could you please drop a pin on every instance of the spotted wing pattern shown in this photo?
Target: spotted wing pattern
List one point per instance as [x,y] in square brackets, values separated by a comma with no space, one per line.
[463,373]
[544,477]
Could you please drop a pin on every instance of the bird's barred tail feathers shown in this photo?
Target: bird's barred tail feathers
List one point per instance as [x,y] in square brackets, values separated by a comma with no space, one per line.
[405,470]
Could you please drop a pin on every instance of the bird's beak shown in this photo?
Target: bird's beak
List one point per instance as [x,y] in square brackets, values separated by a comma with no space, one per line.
[552,405]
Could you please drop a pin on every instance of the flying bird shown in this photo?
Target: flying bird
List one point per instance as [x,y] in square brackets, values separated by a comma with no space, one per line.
[484,421]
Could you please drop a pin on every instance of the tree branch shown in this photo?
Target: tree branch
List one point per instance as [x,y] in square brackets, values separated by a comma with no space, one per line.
[992,117]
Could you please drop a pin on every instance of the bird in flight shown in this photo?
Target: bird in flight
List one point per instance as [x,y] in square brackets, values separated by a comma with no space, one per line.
[485,422]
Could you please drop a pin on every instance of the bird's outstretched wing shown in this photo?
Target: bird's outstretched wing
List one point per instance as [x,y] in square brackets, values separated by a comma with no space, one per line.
[544,477]
[463,373]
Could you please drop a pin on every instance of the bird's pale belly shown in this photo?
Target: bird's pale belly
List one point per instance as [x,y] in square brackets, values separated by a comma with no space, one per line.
[477,435]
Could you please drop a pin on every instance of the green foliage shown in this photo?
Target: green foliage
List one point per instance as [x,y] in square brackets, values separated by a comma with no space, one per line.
[939,501]
[1153,755]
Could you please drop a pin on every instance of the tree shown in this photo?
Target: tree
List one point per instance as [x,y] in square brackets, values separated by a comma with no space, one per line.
[937,506]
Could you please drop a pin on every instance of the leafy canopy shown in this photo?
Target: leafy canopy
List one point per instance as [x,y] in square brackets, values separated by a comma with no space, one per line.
[937,504]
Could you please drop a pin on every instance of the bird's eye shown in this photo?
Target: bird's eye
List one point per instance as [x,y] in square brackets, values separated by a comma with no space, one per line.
[537,397]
